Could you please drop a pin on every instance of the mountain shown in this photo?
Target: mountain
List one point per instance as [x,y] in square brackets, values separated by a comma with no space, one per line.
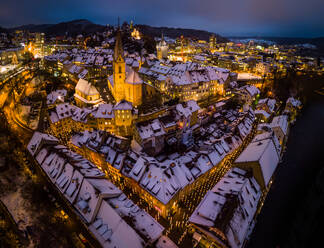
[177,32]
[83,26]
[3,30]
[73,28]
[286,40]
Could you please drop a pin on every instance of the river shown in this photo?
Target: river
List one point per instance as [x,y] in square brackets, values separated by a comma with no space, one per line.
[294,176]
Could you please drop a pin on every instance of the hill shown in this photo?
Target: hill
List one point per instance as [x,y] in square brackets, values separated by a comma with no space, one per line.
[177,32]
[72,28]
[83,26]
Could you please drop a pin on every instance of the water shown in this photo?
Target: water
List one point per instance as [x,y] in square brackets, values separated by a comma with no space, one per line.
[294,176]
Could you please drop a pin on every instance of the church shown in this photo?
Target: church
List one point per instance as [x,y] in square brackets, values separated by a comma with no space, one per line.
[125,83]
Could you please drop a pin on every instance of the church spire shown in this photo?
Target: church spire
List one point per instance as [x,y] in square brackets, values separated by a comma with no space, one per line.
[118,51]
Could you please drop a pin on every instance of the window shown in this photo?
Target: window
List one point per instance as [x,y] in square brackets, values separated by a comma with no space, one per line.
[119,69]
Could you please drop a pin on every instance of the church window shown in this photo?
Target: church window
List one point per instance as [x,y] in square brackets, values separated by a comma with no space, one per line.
[120,70]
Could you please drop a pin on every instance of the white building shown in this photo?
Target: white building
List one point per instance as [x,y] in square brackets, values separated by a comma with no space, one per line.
[279,125]
[262,157]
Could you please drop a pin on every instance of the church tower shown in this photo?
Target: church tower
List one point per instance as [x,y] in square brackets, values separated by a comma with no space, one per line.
[119,68]
[162,49]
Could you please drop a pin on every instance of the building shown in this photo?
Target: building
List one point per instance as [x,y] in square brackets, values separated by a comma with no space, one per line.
[10,55]
[112,218]
[263,68]
[164,180]
[150,135]
[125,83]
[86,94]
[225,216]
[262,158]
[162,49]
[248,93]
[190,82]
[279,125]
[212,42]
[265,108]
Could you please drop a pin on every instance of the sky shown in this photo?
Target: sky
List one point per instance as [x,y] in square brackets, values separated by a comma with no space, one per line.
[284,18]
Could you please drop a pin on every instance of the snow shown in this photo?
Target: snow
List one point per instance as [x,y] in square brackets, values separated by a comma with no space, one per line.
[264,153]
[245,190]
[143,222]
[293,102]
[104,111]
[262,113]
[165,242]
[133,78]
[123,105]
[281,122]
[86,88]
[248,76]
[110,229]
[92,196]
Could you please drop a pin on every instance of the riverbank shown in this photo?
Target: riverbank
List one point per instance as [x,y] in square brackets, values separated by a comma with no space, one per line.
[295,174]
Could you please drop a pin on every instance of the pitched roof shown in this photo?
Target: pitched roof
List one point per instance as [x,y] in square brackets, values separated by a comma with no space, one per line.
[133,78]
[86,88]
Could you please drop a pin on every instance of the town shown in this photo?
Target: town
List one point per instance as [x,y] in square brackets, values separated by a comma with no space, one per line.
[146,141]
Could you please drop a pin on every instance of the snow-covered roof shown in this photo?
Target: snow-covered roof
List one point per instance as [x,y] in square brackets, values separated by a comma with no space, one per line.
[262,112]
[150,129]
[251,89]
[165,242]
[143,223]
[56,95]
[112,231]
[38,139]
[104,111]
[235,193]
[133,78]
[123,105]
[265,154]
[293,102]
[86,88]
[280,121]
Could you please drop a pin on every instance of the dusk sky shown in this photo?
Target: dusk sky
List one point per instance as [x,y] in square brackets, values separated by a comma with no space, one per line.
[295,18]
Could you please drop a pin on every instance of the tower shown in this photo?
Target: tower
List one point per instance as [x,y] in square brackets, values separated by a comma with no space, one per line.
[212,41]
[119,67]
[162,49]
